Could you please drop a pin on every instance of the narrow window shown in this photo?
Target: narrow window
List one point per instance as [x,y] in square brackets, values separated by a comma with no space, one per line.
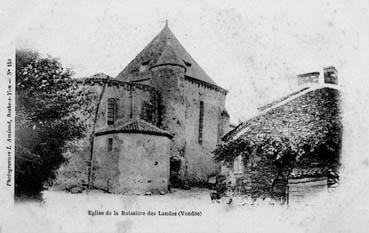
[111,111]
[110,144]
[201,123]
[220,130]
[147,110]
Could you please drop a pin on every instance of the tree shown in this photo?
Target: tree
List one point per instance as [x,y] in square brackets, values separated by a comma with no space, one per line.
[47,99]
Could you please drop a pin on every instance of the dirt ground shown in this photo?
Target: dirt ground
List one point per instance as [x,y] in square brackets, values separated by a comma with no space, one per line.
[79,213]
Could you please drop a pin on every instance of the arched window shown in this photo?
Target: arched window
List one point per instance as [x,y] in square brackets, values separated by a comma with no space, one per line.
[111,110]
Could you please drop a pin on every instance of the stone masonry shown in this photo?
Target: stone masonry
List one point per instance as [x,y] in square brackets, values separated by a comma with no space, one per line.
[166,91]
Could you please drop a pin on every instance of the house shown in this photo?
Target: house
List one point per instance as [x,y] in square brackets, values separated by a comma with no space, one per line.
[299,133]
[155,123]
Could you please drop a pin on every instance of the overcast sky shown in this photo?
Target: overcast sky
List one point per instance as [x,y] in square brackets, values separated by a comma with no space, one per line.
[254,49]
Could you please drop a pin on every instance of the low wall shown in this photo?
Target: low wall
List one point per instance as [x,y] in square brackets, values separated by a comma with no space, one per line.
[303,190]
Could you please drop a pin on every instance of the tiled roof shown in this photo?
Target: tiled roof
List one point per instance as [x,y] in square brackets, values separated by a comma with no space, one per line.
[299,105]
[261,109]
[266,106]
[135,126]
[163,49]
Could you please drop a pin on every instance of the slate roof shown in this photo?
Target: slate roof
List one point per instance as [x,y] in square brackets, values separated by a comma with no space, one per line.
[163,49]
[134,126]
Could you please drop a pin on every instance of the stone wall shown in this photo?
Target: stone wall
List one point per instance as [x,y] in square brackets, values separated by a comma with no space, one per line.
[199,161]
[180,101]
[309,122]
[259,174]
[133,100]
[304,190]
[171,102]
[137,164]
[166,79]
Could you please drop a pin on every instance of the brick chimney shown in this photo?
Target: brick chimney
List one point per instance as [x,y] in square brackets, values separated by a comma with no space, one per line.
[308,78]
[330,75]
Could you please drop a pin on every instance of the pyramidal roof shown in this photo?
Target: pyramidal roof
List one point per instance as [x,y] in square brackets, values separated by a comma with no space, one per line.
[163,49]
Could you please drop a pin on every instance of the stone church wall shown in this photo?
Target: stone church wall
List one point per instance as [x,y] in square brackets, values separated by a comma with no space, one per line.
[138,163]
[133,100]
[171,102]
[199,162]
[130,103]
[180,101]
[166,79]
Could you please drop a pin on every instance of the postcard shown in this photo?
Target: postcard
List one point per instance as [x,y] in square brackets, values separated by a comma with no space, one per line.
[184,116]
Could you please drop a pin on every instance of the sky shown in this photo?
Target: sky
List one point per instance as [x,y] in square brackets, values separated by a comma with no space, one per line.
[254,49]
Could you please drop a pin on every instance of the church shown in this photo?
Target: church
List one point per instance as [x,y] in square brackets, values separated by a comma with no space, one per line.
[154,125]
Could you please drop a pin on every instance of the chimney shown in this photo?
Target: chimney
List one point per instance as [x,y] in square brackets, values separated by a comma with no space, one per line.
[308,78]
[330,75]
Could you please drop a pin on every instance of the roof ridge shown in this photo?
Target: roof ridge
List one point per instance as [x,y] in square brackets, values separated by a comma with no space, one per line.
[307,89]
[280,99]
